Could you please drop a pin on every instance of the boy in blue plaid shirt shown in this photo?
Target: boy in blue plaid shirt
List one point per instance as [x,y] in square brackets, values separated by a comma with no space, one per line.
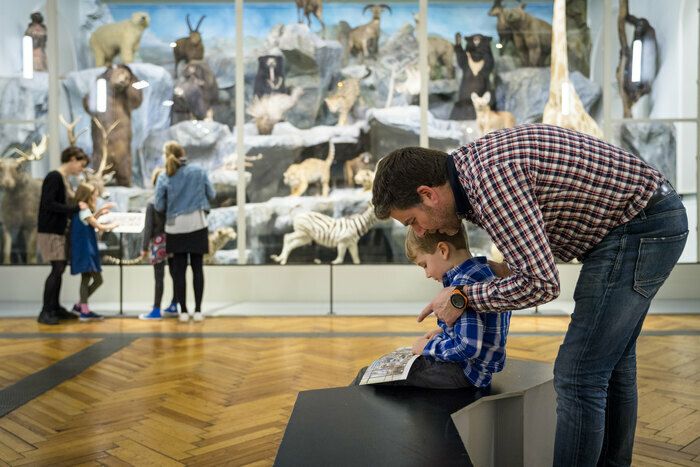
[467,354]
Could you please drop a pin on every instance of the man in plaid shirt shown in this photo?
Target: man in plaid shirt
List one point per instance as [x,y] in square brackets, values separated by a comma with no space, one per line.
[542,192]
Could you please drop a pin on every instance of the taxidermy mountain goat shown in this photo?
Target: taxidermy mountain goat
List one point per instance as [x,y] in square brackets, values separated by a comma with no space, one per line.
[191,47]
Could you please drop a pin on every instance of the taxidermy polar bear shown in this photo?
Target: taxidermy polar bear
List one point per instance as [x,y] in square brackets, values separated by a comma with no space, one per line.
[120,38]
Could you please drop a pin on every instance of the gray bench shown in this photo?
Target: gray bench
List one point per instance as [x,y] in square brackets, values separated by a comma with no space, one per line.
[402,426]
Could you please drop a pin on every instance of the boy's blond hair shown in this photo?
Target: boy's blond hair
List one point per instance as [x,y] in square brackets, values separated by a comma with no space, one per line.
[416,245]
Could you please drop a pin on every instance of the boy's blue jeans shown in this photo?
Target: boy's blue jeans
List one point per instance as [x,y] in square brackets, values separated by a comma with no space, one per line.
[595,373]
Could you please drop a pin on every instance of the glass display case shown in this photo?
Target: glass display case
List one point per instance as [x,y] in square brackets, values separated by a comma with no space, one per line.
[328,89]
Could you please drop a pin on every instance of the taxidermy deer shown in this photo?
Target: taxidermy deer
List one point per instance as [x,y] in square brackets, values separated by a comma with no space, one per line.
[343,233]
[191,47]
[20,202]
[100,178]
[487,119]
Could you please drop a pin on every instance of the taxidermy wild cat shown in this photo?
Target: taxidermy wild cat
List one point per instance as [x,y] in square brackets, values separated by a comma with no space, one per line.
[344,98]
[298,176]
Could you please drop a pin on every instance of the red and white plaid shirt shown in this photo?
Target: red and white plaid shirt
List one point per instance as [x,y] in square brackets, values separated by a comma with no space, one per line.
[542,191]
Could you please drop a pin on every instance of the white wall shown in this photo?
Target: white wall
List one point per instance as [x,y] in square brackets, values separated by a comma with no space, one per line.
[373,288]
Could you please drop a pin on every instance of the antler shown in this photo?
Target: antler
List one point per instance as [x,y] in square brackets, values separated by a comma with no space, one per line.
[105,133]
[36,153]
[199,23]
[70,129]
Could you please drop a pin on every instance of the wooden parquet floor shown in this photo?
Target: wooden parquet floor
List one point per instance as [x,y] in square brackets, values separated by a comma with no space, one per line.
[200,397]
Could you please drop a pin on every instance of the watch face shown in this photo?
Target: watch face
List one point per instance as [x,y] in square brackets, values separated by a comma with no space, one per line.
[457,300]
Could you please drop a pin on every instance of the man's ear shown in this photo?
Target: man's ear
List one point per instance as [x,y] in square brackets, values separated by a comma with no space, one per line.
[428,195]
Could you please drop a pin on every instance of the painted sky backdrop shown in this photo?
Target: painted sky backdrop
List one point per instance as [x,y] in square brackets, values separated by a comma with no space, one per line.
[444,18]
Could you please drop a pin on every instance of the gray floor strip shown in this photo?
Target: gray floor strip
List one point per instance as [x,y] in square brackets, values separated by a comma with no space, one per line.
[38,383]
[278,335]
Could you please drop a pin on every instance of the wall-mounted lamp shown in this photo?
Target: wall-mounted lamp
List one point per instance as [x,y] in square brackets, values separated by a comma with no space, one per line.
[27,57]
[636,61]
[101,97]
[565,98]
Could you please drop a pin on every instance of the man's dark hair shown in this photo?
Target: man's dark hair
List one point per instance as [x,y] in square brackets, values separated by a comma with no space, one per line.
[74,152]
[401,173]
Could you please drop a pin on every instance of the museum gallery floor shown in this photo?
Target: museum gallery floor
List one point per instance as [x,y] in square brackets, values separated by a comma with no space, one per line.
[127,392]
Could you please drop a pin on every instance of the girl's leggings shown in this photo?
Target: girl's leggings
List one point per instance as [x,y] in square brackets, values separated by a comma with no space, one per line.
[89,282]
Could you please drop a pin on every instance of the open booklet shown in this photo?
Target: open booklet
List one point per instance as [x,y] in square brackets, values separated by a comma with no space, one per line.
[393,366]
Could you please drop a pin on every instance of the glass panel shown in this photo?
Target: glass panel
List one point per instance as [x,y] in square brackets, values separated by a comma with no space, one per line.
[670,147]
[322,107]
[660,76]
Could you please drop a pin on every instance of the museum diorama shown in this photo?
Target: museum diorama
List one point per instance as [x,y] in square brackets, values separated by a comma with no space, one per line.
[330,87]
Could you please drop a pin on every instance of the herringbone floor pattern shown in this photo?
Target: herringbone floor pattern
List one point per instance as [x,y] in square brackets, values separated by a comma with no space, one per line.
[225,401]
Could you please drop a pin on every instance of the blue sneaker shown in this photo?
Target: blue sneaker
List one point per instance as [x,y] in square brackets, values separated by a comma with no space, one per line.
[171,311]
[154,314]
[90,316]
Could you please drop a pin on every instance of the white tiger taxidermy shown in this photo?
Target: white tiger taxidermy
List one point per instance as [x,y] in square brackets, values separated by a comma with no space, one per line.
[342,233]
[312,170]
[344,98]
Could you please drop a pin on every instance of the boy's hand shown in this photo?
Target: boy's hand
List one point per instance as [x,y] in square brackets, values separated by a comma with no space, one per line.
[499,269]
[419,345]
[430,334]
[442,308]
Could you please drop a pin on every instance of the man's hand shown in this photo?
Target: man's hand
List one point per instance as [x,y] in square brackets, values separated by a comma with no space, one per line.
[430,334]
[442,308]
[419,345]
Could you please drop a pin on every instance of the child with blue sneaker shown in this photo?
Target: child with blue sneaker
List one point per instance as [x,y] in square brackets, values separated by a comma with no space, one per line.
[84,255]
[154,250]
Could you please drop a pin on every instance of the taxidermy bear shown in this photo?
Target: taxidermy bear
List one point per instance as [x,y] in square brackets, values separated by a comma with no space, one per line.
[477,64]
[270,77]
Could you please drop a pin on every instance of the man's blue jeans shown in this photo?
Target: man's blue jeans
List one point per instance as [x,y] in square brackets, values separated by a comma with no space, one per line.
[595,373]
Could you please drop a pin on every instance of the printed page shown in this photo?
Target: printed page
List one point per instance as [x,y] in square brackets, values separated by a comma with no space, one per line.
[393,366]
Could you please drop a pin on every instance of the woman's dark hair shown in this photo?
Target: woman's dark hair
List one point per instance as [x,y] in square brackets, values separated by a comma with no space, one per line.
[74,152]
[401,173]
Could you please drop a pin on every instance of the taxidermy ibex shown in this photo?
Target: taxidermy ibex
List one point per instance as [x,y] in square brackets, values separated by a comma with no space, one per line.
[314,7]
[191,47]
[365,38]
[20,203]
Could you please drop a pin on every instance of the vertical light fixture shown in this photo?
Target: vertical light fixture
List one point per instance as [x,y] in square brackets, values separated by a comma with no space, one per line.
[27,57]
[565,98]
[636,61]
[101,97]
